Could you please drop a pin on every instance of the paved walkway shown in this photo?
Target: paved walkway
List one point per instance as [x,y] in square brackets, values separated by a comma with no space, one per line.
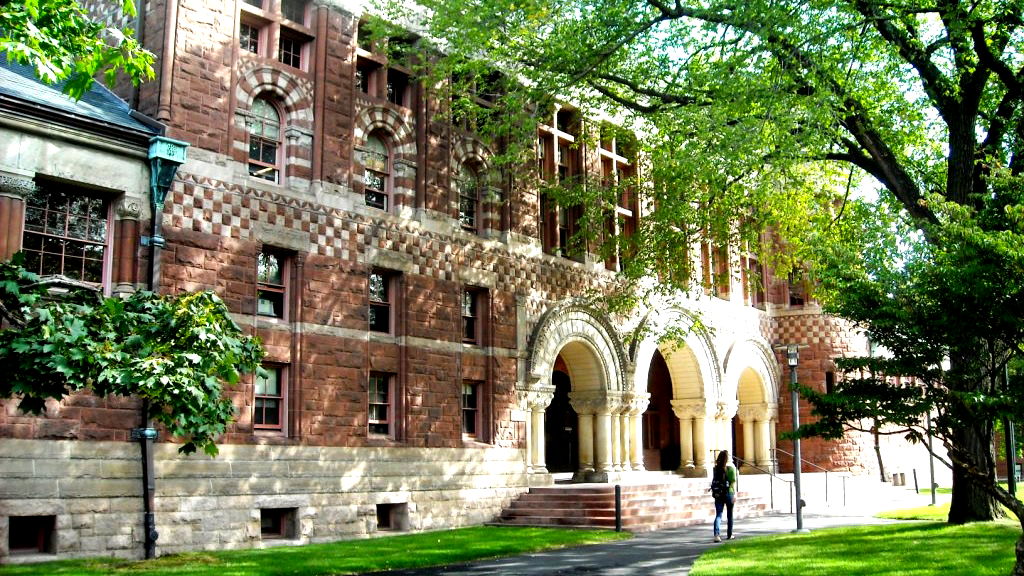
[670,552]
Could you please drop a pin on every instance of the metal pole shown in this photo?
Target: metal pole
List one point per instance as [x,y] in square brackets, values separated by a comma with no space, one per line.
[931,458]
[618,508]
[793,358]
[1011,448]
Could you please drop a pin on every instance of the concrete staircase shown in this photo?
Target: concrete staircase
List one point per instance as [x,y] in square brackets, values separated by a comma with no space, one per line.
[645,506]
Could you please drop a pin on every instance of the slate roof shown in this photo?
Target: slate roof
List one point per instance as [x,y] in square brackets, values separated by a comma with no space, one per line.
[99,110]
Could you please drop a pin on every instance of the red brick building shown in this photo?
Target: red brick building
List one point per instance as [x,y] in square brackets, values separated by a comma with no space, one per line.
[430,355]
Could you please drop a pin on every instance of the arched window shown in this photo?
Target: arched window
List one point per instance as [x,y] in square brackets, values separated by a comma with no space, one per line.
[470,188]
[264,141]
[377,173]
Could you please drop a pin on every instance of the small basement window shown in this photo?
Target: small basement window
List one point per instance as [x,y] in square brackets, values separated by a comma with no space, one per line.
[32,535]
[393,516]
[277,523]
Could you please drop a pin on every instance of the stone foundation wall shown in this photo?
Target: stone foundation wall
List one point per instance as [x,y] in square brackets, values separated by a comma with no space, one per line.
[93,491]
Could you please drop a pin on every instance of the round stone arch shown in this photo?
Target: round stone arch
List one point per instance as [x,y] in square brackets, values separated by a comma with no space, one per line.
[693,363]
[596,361]
[398,128]
[750,392]
[584,332]
[294,96]
[750,362]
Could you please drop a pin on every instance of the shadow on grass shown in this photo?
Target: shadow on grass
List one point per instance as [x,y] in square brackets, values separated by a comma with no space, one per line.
[346,557]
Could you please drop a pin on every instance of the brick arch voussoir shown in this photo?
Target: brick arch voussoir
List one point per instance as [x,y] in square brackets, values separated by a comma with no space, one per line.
[295,94]
[570,321]
[401,135]
[473,152]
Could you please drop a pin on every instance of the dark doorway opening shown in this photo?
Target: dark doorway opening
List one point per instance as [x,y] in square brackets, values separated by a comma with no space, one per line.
[560,423]
[661,425]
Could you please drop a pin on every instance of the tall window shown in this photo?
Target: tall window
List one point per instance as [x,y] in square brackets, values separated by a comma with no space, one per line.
[376,173]
[269,398]
[65,233]
[472,305]
[558,163]
[471,408]
[264,140]
[249,38]
[272,284]
[381,301]
[380,395]
[470,193]
[263,23]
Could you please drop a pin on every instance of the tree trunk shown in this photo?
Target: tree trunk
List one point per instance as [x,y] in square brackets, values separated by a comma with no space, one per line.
[878,452]
[1018,567]
[972,503]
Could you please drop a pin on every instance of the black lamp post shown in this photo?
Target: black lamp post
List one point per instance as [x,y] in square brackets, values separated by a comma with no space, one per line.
[793,361]
[165,155]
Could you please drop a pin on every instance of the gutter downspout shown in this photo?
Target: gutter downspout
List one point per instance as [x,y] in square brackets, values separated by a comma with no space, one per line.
[165,155]
[163,111]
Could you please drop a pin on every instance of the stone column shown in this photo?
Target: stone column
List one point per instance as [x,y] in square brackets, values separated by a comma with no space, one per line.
[535,400]
[699,447]
[125,276]
[686,443]
[602,444]
[616,441]
[766,435]
[14,187]
[586,449]
[691,413]
[724,412]
[594,409]
[638,405]
[537,421]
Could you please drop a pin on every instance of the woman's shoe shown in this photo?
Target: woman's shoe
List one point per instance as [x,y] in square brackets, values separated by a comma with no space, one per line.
[718,538]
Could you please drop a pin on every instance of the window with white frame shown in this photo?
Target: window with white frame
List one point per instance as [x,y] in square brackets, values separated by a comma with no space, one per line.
[470,188]
[269,396]
[286,22]
[272,283]
[67,232]
[264,125]
[380,395]
[377,173]
[382,291]
[471,397]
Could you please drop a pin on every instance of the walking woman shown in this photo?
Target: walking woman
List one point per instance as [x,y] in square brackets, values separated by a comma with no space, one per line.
[724,483]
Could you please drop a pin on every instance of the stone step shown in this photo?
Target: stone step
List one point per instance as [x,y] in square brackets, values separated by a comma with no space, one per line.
[644,507]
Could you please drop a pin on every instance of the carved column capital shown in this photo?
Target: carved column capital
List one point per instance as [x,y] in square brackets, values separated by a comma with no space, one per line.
[129,209]
[726,409]
[685,409]
[753,412]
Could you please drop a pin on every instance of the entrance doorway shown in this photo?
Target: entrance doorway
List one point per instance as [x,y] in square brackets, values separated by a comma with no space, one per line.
[560,423]
[661,425]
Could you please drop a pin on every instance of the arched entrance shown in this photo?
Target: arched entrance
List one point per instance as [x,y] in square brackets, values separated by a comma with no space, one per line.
[574,342]
[661,425]
[752,366]
[560,423]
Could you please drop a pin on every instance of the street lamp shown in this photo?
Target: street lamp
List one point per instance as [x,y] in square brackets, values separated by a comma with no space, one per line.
[793,361]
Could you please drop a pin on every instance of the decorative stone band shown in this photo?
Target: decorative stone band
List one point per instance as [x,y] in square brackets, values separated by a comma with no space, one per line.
[16,186]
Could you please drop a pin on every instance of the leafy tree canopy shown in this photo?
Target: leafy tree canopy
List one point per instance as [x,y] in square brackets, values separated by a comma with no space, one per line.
[173,352]
[772,115]
[65,44]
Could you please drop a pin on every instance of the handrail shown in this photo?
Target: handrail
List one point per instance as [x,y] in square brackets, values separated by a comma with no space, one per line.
[771,490]
[805,461]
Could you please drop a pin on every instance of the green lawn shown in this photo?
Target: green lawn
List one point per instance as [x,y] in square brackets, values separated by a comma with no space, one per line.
[910,549]
[346,557]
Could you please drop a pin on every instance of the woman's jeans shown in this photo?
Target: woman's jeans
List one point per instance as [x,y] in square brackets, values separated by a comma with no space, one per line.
[726,503]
